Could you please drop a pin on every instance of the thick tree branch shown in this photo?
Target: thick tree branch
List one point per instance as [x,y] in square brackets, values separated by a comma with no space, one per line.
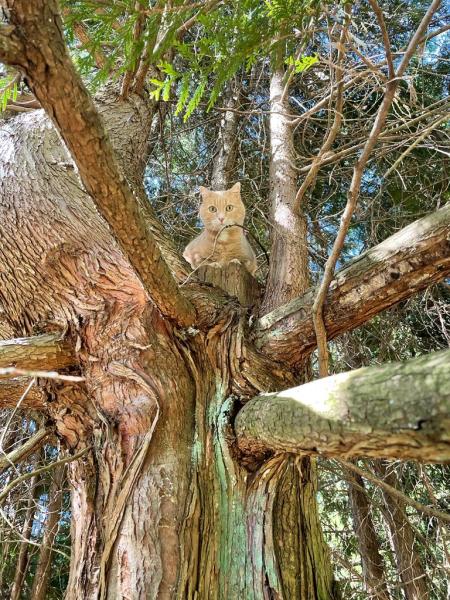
[9,44]
[399,410]
[42,352]
[20,453]
[56,85]
[12,390]
[405,263]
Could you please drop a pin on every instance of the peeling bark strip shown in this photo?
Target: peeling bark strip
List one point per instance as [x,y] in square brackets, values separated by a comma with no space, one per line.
[42,352]
[405,263]
[42,56]
[400,410]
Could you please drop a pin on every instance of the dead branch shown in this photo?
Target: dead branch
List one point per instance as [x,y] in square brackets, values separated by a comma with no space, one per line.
[20,453]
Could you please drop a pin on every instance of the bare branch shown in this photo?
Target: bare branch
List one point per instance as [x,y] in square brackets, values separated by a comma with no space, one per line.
[311,177]
[13,371]
[48,467]
[353,193]
[422,508]
[416,142]
[399,410]
[387,44]
[20,453]
[417,37]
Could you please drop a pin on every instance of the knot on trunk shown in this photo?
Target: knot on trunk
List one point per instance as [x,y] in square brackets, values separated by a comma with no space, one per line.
[234,279]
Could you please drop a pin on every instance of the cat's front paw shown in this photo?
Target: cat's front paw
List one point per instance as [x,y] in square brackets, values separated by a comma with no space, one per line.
[236,261]
[215,265]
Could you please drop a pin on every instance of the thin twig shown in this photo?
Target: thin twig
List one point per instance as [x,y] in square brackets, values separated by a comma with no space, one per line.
[417,141]
[387,44]
[7,371]
[353,193]
[48,467]
[311,177]
[427,510]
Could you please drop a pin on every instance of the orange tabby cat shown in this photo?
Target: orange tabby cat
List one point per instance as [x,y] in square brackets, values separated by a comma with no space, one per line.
[213,248]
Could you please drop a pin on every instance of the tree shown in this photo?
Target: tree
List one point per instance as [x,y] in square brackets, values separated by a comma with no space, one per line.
[166,500]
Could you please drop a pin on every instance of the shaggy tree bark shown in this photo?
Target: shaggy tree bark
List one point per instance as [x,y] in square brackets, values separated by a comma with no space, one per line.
[162,504]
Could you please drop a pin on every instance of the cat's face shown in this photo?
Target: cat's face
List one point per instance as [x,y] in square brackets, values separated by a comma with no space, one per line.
[221,208]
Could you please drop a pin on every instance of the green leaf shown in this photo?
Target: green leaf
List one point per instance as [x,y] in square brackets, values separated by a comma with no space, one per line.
[183,94]
[195,100]
[166,89]
[301,64]
[168,69]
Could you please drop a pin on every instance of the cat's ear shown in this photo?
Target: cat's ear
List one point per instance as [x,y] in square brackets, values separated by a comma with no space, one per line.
[204,191]
[236,188]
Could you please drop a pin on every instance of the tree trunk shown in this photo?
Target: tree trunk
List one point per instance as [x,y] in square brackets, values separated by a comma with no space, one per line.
[164,505]
[289,269]
[23,558]
[53,508]
[224,165]
[409,567]
[152,512]
[372,563]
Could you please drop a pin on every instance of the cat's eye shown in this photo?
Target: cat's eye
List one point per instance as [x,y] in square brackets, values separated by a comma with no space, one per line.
[229,208]
[212,209]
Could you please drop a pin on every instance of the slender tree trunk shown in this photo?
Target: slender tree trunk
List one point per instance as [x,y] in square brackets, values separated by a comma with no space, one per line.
[224,165]
[372,562]
[410,569]
[55,496]
[23,558]
[289,271]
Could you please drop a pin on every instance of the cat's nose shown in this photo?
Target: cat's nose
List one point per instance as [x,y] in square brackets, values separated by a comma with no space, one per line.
[221,219]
